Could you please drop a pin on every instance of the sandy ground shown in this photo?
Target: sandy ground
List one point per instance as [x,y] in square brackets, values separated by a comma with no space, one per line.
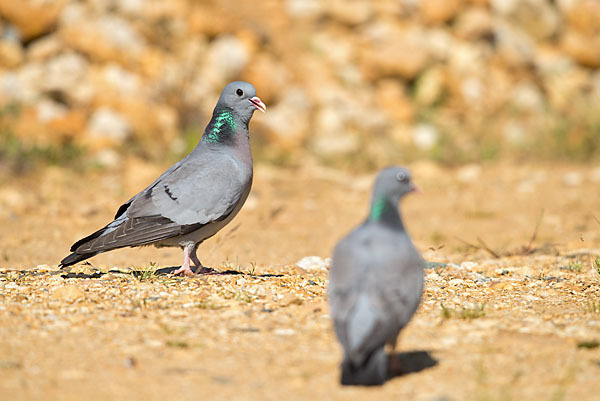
[521,325]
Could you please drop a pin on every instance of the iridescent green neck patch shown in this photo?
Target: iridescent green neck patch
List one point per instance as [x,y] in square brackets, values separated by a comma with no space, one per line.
[223,121]
[378,208]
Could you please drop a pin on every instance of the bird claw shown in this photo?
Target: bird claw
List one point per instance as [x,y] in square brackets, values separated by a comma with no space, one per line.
[184,270]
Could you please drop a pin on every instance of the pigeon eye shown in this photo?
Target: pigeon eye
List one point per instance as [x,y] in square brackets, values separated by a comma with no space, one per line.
[239,92]
[402,177]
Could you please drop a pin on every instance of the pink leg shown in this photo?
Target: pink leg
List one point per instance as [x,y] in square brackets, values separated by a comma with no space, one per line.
[185,268]
[199,268]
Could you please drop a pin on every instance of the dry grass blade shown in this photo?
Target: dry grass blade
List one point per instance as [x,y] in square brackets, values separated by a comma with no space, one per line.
[470,245]
[528,249]
[487,248]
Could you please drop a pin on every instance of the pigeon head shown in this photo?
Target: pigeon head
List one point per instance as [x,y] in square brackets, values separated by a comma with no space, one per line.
[394,182]
[232,113]
[240,97]
[391,185]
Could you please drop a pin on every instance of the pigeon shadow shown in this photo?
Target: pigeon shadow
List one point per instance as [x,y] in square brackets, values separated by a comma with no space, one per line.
[82,275]
[404,363]
[136,273]
[211,272]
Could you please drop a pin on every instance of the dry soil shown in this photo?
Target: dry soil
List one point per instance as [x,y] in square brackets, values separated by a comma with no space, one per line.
[518,321]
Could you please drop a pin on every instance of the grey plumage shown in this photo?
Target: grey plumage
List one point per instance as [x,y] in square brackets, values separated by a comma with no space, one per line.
[195,197]
[375,283]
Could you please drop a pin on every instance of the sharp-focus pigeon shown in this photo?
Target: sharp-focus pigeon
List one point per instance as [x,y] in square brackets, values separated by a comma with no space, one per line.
[375,283]
[195,197]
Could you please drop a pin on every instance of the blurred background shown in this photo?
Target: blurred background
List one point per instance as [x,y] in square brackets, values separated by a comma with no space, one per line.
[355,84]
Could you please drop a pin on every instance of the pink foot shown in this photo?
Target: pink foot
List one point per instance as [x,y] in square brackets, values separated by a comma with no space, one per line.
[185,267]
[185,270]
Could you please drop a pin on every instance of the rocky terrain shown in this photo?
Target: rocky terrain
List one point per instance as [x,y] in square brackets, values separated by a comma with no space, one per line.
[511,309]
[455,80]
[492,104]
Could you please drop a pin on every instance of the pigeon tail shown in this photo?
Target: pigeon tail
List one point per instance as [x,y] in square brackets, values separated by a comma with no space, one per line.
[78,257]
[74,258]
[373,372]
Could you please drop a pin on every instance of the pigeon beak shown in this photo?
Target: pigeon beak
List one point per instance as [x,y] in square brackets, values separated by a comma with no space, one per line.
[258,104]
[415,189]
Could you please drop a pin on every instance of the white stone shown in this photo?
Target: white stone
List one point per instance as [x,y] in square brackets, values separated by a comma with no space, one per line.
[468,173]
[425,136]
[120,33]
[304,8]
[48,110]
[572,179]
[527,96]
[124,81]
[514,132]
[106,122]
[468,265]
[108,158]
[64,72]
[227,56]
[314,263]
[472,90]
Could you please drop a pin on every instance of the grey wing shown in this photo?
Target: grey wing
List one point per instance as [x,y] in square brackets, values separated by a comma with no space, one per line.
[199,191]
[130,232]
[123,208]
[192,193]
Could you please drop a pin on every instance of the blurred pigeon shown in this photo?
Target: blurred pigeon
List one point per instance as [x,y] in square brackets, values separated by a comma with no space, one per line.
[195,197]
[375,283]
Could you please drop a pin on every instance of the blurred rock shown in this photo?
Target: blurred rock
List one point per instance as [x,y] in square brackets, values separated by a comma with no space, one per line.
[583,49]
[527,96]
[582,15]
[514,46]
[108,158]
[573,179]
[430,86]
[107,123]
[104,38]
[514,132]
[63,73]
[440,43]
[314,264]
[426,169]
[334,144]
[439,11]
[32,17]
[394,51]
[391,97]
[288,121]
[227,56]
[124,82]
[11,53]
[537,18]
[68,293]
[304,8]
[268,76]
[48,110]
[333,73]
[469,173]
[425,136]
[352,12]
[562,89]
[44,48]
[334,46]
[474,23]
